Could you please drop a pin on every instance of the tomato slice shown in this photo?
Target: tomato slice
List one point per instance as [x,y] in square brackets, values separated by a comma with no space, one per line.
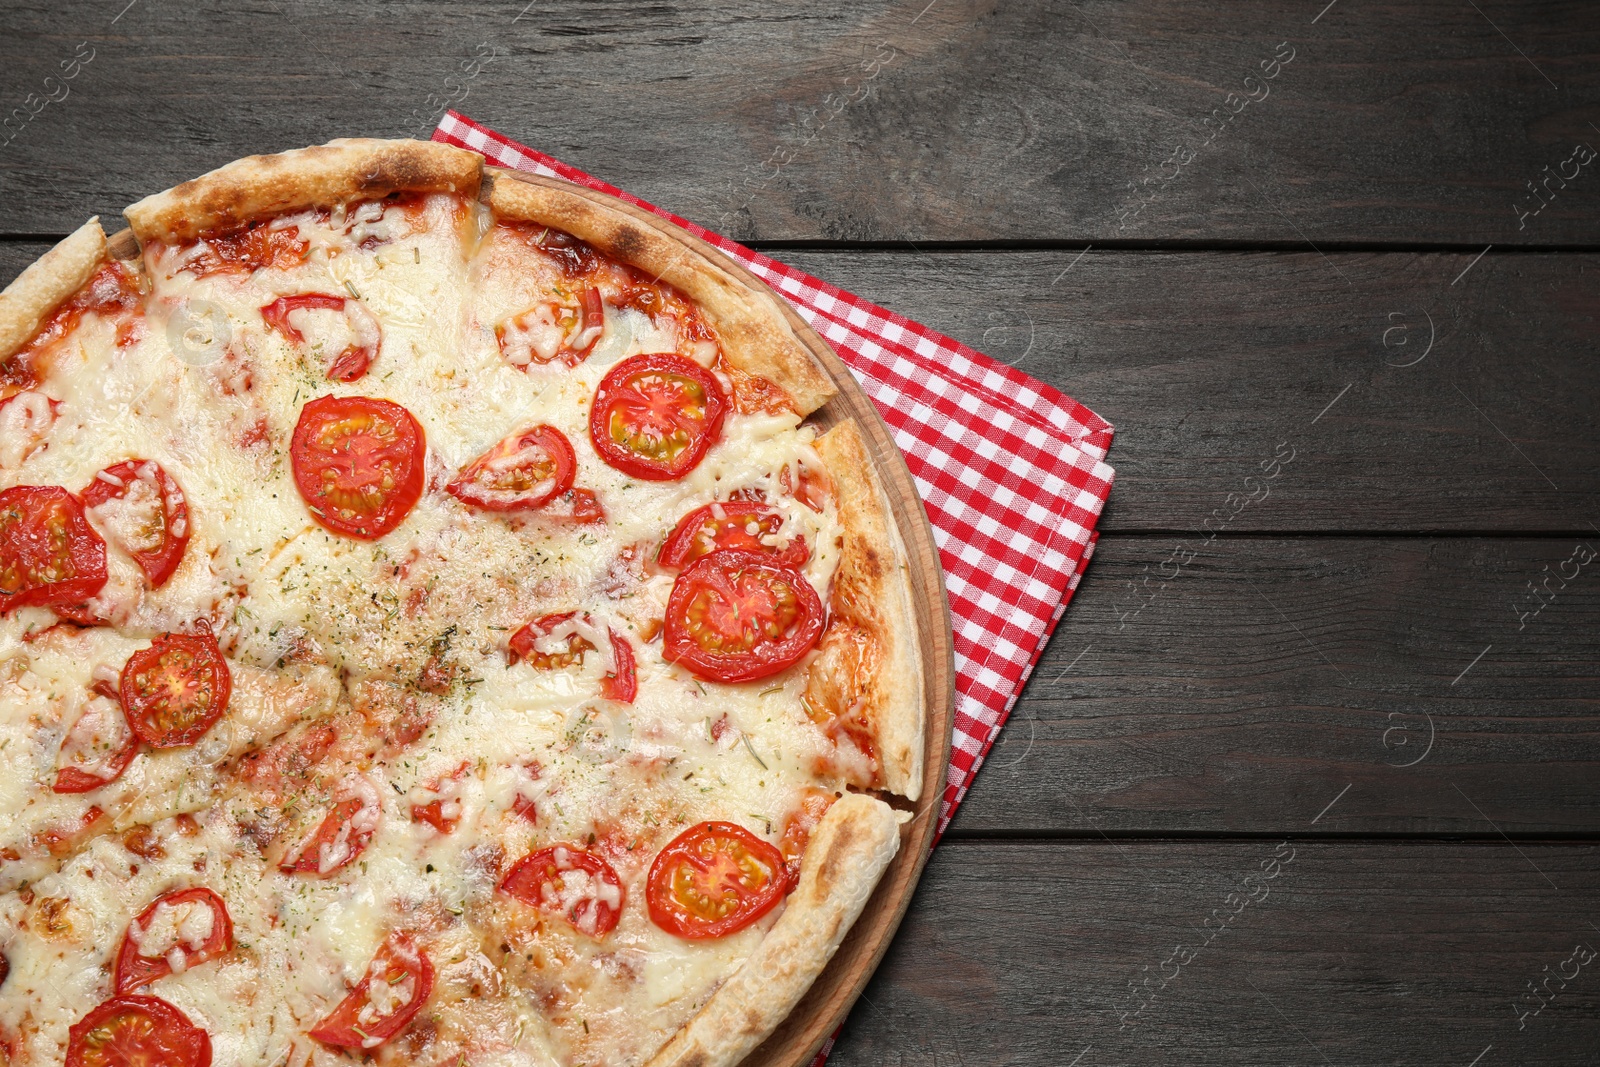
[526,804]
[713,880]
[49,554]
[343,833]
[444,810]
[396,985]
[277,313]
[555,642]
[524,644]
[736,616]
[149,519]
[575,507]
[137,1031]
[568,881]
[191,925]
[358,463]
[654,416]
[553,332]
[353,361]
[813,488]
[623,683]
[526,470]
[730,524]
[173,691]
[97,749]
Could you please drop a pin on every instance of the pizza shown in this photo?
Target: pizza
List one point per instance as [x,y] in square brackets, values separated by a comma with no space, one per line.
[431,632]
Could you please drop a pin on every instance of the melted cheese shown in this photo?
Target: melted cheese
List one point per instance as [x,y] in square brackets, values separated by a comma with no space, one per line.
[306,618]
[172,927]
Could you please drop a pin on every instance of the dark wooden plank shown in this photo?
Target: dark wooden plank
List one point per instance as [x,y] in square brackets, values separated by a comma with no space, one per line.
[1268,675]
[957,120]
[1206,362]
[1022,954]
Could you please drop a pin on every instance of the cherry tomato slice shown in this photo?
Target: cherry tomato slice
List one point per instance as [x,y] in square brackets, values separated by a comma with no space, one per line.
[150,518]
[553,332]
[736,616]
[201,931]
[623,683]
[526,470]
[137,1031]
[575,507]
[398,982]
[343,833]
[173,691]
[813,490]
[620,683]
[526,804]
[49,554]
[97,749]
[352,363]
[568,881]
[713,880]
[654,416]
[444,811]
[730,524]
[358,463]
[277,313]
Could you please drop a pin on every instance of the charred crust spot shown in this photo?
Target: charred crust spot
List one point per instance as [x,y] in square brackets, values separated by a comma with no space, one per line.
[397,170]
[838,860]
[628,243]
[221,203]
[870,562]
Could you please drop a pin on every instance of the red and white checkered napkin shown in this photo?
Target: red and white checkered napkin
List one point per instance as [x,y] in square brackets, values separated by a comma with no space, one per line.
[1011,471]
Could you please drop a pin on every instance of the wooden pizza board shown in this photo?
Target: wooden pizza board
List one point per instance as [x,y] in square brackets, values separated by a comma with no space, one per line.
[820,1012]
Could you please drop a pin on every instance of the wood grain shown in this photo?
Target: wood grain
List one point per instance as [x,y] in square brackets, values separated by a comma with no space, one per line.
[980,121]
[1266,675]
[1021,953]
[1205,362]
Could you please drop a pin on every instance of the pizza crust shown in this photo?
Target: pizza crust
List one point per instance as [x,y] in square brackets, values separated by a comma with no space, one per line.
[260,187]
[871,604]
[848,852]
[755,336]
[47,282]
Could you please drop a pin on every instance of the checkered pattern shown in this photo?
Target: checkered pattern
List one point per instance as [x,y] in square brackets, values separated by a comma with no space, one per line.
[1011,471]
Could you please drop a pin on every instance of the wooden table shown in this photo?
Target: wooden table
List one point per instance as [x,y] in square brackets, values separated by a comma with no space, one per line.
[1374,689]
